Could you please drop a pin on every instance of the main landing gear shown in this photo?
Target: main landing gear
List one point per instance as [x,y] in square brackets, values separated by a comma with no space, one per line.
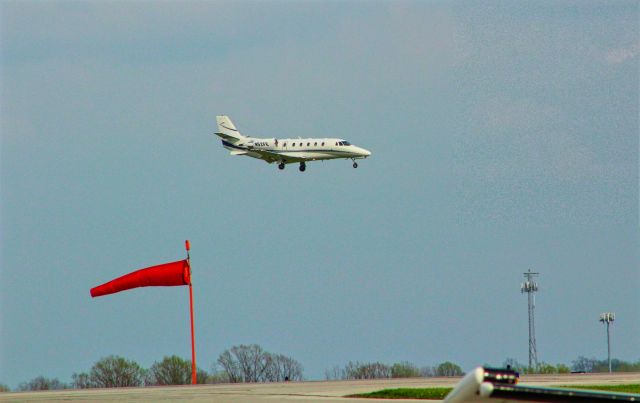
[302,168]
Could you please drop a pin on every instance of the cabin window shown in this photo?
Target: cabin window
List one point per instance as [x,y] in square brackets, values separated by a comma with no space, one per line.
[308,144]
[323,144]
[336,143]
[315,144]
[284,144]
[293,144]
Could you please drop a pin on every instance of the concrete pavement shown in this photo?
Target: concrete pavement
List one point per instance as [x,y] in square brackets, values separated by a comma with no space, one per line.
[304,392]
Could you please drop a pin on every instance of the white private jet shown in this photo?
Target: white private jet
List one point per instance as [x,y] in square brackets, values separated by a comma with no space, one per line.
[286,151]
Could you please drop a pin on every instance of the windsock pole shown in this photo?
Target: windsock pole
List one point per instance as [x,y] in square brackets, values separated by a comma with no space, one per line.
[193,339]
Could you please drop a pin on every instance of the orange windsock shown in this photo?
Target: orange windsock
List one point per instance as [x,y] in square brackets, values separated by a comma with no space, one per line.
[167,275]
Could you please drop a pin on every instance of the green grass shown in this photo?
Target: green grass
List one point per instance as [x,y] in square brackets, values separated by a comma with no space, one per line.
[628,388]
[407,393]
[440,393]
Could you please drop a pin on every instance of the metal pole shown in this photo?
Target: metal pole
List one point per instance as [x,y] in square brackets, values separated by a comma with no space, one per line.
[608,347]
[193,337]
[607,318]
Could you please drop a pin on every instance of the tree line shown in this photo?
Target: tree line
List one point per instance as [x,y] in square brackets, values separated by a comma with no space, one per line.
[374,370]
[377,370]
[251,363]
[243,363]
[581,364]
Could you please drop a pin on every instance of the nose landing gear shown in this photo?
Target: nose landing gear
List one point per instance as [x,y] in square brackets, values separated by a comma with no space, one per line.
[303,166]
[281,166]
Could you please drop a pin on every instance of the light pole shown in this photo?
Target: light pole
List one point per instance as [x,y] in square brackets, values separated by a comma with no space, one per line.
[607,318]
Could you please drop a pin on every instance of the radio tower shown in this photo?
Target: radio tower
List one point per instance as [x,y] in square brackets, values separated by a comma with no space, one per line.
[530,287]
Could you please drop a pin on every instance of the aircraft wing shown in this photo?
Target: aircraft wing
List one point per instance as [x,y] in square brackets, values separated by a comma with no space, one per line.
[487,385]
[225,136]
[285,157]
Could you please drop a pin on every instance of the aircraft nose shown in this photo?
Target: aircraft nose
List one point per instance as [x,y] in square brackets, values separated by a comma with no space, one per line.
[366,153]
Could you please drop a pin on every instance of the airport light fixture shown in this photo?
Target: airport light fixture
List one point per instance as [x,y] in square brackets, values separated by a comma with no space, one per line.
[608,318]
[530,287]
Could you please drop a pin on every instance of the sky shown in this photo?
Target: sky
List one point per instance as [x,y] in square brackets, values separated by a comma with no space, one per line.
[504,138]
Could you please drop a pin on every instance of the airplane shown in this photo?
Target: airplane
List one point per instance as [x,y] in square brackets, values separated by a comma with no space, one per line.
[497,385]
[286,151]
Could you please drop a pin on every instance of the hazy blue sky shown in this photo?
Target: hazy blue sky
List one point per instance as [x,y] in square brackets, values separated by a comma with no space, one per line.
[504,138]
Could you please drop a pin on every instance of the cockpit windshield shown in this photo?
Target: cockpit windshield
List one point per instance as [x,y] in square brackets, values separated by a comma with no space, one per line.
[344,143]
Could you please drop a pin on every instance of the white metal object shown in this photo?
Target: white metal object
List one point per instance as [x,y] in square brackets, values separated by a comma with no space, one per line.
[287,150]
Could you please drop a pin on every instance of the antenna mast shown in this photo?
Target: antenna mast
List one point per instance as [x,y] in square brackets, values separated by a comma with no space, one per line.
[530,287]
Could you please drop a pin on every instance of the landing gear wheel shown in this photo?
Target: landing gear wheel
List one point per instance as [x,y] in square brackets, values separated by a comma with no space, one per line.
[355,164]
[303,166]
[281,166]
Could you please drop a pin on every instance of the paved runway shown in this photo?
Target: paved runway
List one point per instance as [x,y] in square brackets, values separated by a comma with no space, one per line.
[327,392]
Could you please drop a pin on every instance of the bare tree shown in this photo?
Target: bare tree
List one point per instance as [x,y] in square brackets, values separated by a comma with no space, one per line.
[371,370]
[283,368]
[114,371]
[250,363]
[231,366]
[42,383]
[81,381]
[174,370]
[334,373]
[244,363]
[253,361]
[171,370]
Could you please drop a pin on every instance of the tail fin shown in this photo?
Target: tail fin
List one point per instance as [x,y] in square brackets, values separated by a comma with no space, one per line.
[227,130]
